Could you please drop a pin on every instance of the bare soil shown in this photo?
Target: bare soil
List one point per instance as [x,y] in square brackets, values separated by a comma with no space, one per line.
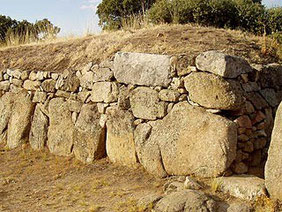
[38,181]
[185,40]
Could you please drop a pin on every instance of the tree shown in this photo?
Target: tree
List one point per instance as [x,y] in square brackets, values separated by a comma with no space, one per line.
[111,12]
[6,23]
[45,29]
[19,32]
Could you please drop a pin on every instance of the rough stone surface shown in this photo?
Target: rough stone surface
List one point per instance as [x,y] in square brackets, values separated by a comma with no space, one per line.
[211,91]
[86,80]
[6,104]
[39,129]
[49,85]
[104,92]
[4,85]
[89,136]
[148,151]
[120,139]
[246,187]
[169,95]
[31,85]
[188,131]
[61,129]
[221,64]
[145,104]
[142,69]
[270,96]
[186,200]
[257,100]
[273,168]
[102,74]
[239,207]
[19,123]
[70,82]
[39,97]
[148,202]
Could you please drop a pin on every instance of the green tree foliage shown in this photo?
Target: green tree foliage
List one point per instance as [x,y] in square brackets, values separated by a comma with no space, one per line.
[24,31]
[111,12]
[6,23]
[248,15]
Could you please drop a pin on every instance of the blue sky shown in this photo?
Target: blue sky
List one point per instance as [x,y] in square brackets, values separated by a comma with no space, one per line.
[74,17]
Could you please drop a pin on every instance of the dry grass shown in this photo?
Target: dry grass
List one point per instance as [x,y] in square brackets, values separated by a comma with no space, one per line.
[39,181]
[185,40]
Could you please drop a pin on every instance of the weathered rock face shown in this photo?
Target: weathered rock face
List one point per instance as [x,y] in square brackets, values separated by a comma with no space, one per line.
[61,129]
[145,104]
[39,129]
[214,92]
[142,69]
[6,104]
[187,200]
[120,140]
[221,64]
[273,168]
[104,92]
[49,85]
[89,136]
[148,150]
[190,133]
[19,123]
[242,186]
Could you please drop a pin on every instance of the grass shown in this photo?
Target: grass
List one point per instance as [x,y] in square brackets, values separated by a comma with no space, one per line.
[216,184]
[185,40]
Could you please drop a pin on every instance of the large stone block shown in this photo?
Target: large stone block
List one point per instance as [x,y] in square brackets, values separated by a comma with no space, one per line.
[19,123]
[120,139]
[142,69]
[89,136]
[6,104]
[273,168]
[187,201]
[39,129]
[221,64]
[61,130]
[148,150]
[187,133]
[246,187]
[145,104]
[211,91]
[104,92]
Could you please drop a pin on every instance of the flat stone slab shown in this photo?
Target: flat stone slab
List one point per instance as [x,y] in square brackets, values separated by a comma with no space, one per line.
[246,187]
[221,64]
[273,167]
[142,69]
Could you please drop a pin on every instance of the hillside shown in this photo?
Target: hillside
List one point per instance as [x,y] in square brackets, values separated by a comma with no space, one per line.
[185,40]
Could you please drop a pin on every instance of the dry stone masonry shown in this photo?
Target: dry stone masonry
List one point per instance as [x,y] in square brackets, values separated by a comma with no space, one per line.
[207,120]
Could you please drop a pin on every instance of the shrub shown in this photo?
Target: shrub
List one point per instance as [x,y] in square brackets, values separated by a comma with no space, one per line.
[161,12]
[111,12]
[274,20]
[247,15]
[251,16]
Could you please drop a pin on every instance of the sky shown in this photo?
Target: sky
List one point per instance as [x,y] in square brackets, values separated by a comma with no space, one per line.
[74,17]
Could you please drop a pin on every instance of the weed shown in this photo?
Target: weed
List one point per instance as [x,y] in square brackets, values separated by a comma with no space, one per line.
[264,204]
[216,184]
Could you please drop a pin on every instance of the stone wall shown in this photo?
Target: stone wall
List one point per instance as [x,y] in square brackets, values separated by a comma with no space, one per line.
[211,119]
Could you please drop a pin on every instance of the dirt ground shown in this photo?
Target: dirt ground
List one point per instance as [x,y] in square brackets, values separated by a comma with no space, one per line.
[181,40]
[38,181]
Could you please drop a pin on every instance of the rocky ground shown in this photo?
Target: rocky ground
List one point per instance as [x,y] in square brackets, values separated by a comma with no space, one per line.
[39,181]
